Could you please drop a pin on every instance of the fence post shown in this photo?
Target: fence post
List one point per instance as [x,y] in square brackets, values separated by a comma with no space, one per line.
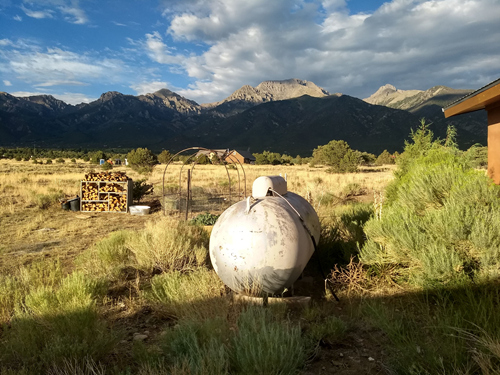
[188,195]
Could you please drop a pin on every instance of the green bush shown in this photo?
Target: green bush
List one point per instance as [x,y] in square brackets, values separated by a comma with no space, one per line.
[108,256]
[195,295]
[385,158]
[265,345]
[197,347]
[268,157]
[140,189]
[477,156]
[438,221]
[54,325]
[164,157]
[141,160]
[60,160]
[204,219]
[169,245]
[338,156]
[106,166]
[95,157]
[44,201]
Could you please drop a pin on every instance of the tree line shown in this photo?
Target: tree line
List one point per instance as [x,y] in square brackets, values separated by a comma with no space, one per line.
[337,155]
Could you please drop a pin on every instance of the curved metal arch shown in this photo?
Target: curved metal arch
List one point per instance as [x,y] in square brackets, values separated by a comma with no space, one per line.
[194,163]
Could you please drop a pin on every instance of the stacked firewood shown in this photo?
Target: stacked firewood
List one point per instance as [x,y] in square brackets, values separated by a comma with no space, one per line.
[104,191]
[95,206]
[106,176]
[90,192]
[118,203]
[114,188]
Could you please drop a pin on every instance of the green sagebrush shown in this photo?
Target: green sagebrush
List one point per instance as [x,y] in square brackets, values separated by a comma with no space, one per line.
[439,221]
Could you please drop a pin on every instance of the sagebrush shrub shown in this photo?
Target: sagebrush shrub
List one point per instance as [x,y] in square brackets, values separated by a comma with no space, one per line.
[437,222]
[168,245]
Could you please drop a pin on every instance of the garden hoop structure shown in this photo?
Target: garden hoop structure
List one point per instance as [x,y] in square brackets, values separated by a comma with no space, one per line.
[224,156]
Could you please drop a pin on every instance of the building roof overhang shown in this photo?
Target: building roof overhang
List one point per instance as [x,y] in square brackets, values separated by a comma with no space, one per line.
[475,101]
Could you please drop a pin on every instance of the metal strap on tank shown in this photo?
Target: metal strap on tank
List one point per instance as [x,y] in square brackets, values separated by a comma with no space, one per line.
[312,239]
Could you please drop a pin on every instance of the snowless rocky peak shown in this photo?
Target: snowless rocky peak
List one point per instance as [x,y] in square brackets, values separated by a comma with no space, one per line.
[291,88]
[389,95]
[274,90]
[385,90]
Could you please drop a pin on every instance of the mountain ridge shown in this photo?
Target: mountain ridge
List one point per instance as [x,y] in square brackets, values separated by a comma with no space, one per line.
[258,118]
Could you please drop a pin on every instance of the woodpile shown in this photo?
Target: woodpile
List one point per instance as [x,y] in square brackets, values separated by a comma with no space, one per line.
[105,191]
[90,192]
[106,176]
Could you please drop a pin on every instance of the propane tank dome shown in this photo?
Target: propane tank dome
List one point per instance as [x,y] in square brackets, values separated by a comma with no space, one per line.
[261,186]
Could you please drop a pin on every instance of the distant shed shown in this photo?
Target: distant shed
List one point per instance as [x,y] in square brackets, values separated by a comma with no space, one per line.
[488,98]
[244,157]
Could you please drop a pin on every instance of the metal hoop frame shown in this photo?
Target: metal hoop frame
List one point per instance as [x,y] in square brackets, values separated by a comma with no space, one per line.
[196,156]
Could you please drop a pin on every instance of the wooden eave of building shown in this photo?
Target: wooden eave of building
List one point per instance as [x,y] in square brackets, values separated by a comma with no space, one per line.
[475,101]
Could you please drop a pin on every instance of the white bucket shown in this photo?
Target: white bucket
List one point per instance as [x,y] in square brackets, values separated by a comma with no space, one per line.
[139,210]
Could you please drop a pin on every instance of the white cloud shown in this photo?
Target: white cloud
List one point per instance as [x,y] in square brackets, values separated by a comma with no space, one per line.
[17,18]
[74,14]
[67,97]
[414,44]
[158,51]
[60,83]
[38,14]
[7,83]
[56,67]
[69,10]
[23,94]
[148,87]
[74,98]
[5,42]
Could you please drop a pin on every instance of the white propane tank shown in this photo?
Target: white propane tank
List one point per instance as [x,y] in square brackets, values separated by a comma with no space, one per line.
[261,243]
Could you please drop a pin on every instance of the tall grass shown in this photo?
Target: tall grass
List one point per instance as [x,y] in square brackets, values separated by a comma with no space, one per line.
[451,330]
[107,257]
[194,295]
[167,244]
[54,325]
[15,287]
[199,347]
[264,345]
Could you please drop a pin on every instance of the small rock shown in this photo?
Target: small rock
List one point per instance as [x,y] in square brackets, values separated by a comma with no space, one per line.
[139,337]
[371,359]
[341,354]
[337,363]
[146,333]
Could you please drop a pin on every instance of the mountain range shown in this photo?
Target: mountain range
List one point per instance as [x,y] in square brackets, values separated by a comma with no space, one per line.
[292,116]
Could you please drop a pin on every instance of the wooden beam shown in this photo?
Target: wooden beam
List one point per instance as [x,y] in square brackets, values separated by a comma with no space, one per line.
[475,102]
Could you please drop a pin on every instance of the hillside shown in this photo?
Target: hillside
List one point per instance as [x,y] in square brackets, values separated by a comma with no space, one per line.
[275,115]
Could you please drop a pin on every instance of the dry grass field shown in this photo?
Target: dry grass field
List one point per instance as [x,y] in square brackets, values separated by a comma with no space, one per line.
[33,224]
[40,240]
[112,293]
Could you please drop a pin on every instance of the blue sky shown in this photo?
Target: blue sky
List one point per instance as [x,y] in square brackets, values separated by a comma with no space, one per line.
[204,50]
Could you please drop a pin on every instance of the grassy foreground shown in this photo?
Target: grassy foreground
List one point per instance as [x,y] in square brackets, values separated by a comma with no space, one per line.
[117,294]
